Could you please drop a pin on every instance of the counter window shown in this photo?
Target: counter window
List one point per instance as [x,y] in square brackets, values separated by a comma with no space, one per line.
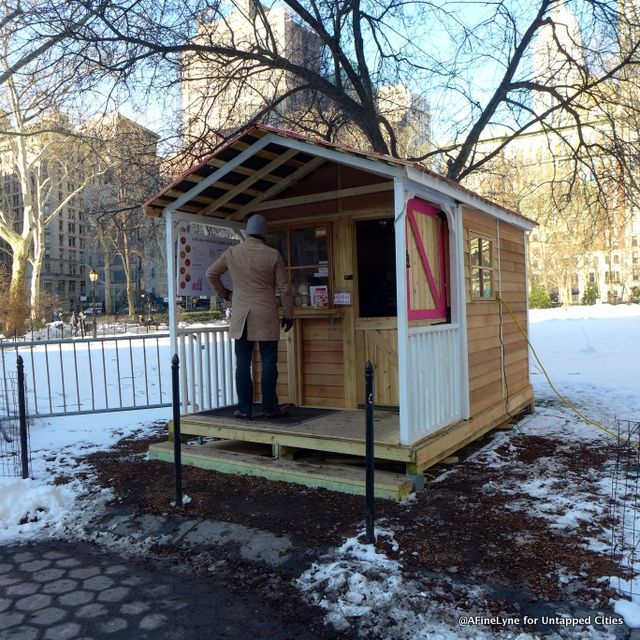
[306,254]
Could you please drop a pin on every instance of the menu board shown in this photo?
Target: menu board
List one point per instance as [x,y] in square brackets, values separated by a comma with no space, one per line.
[196,253]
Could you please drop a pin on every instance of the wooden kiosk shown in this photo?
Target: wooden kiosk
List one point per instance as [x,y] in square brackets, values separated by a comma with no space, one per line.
[389,262]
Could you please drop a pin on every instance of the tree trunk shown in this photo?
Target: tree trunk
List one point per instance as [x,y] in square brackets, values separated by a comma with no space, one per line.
[36,273]
[108,301]
[18,306]
[126,263]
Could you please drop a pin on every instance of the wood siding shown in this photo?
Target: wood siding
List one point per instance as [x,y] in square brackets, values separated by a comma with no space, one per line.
[322,362]
[498,353]
[377,341]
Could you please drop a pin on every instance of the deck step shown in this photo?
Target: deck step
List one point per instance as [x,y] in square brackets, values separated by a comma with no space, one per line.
[336,477]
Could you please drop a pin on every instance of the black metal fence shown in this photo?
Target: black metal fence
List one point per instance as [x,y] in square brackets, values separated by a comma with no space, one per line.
[625,505]
[15,449]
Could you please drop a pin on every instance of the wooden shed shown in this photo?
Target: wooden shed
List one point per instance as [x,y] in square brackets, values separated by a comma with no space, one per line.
[389,262]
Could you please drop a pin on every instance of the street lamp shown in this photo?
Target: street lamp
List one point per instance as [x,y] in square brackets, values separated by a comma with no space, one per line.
[93,276]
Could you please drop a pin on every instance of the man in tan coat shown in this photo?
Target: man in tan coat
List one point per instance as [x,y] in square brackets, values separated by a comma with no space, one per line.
[258,275]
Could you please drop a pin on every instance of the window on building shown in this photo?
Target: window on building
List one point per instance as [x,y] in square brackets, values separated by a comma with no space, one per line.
[82,287]
[616,259]
[60,225]
[592,276]
[482,270]
[634,257]
[72,241]
[61,286]
[616,276]
[72,286]
[634,241]
[636,273]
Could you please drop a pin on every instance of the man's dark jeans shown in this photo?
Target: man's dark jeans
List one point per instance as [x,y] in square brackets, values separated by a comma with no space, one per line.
[268,380]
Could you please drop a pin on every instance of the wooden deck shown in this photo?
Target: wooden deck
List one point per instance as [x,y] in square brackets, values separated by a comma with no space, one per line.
[339,432]
[328,451]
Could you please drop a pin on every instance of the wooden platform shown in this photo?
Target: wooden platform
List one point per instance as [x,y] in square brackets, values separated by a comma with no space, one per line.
[338,432]
[328,451]
[336,477]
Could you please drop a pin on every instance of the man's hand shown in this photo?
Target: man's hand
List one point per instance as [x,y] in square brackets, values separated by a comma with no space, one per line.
[287,324]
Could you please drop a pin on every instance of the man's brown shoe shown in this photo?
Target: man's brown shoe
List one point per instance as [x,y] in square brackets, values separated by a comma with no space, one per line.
[278,412]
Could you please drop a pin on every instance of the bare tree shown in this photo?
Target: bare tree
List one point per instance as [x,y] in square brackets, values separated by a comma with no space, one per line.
[45,167]
[477,68]
[122,230]
[565,69]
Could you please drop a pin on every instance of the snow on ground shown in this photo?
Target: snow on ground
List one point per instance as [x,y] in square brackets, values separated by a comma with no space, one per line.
[37,507]
[591,354]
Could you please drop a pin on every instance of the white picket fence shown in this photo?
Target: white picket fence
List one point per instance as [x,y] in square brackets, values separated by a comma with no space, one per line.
[435,398]
[207,365]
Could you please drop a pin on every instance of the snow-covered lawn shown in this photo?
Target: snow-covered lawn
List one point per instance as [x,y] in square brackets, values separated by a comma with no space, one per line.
[591,354]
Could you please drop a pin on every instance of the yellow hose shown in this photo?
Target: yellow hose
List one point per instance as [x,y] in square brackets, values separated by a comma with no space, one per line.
[569,404]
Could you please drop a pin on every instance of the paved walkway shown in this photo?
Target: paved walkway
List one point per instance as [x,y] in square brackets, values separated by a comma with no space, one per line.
[53,590]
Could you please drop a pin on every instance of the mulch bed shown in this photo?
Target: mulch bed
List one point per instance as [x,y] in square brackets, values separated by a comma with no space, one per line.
[451,526]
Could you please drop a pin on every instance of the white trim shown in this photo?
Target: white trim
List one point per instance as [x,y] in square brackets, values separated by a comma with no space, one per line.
[346,157]
[222,171]
[464,197]
[526,296]
[168,215]
[437,328]
[461,300]
[400,205]
[209,221]
[503,376]
[419,190]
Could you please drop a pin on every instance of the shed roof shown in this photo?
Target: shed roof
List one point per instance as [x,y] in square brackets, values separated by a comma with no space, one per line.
[261,162]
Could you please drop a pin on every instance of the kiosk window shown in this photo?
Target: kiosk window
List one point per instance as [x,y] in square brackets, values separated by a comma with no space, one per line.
[306,254]
[481,258]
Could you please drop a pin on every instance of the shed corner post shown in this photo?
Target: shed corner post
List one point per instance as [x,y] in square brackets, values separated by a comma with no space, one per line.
[400,209]
[461,300]
[171,279]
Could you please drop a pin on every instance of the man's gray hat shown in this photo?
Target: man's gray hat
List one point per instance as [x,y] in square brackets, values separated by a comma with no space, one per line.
[257,226]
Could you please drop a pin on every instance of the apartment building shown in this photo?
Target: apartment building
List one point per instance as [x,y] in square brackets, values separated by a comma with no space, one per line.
[588,219]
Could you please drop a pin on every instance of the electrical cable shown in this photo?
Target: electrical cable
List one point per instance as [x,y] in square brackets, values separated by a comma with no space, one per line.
[568,403]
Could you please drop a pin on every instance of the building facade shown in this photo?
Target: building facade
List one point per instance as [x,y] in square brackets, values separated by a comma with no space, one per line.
[586,242]
[219,98]
[72,184]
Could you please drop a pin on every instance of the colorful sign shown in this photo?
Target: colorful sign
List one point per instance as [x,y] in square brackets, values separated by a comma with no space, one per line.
[196,252]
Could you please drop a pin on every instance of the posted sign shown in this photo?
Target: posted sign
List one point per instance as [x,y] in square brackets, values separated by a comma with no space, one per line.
[195,254]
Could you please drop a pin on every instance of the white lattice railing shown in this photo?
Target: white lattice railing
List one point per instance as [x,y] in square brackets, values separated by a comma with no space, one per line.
[207,365]
[435,394]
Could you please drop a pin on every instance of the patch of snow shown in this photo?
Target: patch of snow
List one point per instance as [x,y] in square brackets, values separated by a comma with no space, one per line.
[630,611]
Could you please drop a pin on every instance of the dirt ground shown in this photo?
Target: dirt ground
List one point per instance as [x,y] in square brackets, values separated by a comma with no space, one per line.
[454,526]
